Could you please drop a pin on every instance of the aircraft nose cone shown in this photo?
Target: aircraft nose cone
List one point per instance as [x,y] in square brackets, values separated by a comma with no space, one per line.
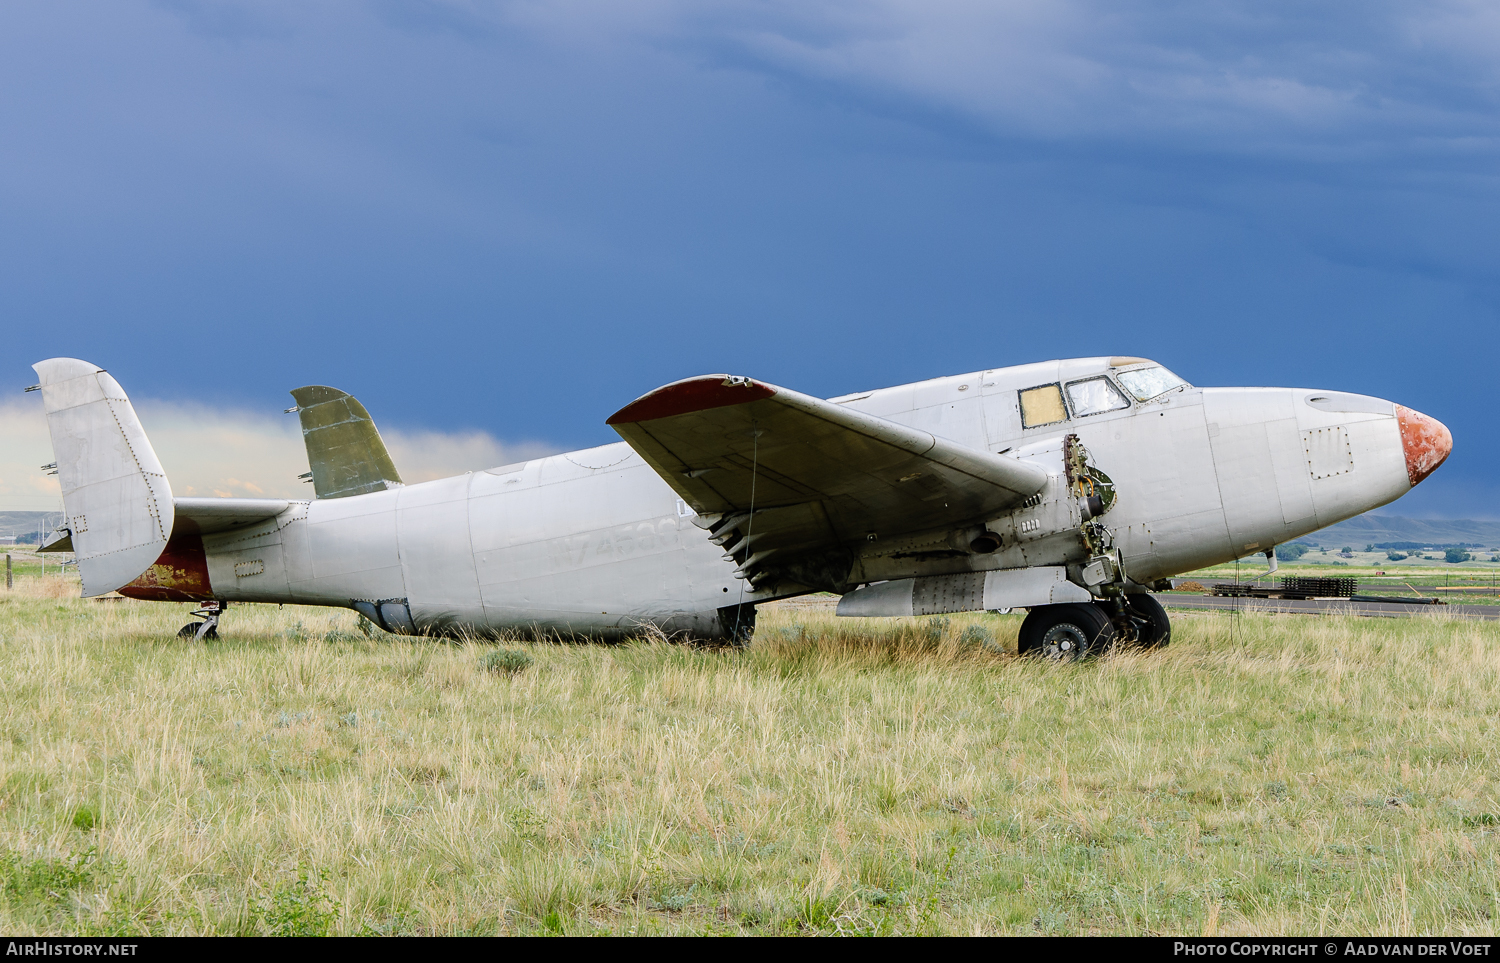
[1425,440]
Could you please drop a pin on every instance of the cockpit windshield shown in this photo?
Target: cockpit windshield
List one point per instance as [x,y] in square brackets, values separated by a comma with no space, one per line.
[1147,383]
[1093,396]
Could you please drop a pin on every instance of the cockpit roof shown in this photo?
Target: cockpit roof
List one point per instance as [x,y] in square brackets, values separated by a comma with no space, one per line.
[1016,377]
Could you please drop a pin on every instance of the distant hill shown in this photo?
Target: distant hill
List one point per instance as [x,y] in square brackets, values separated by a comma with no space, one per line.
[1369,529]
[23,523]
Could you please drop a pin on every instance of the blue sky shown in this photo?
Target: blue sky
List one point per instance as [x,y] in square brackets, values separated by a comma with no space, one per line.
[516,217]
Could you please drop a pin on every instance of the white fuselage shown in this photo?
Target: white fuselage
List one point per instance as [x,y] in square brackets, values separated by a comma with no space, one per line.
[594,542]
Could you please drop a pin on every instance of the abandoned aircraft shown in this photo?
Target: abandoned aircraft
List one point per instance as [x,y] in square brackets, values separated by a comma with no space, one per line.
[1067,488]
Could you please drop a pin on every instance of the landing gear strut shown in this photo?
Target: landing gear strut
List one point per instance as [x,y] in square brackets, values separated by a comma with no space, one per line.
[208,629]
[1144,624]
[1114,617]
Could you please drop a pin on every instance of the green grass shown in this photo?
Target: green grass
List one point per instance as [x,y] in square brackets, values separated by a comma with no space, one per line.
[1264,774]
[25,563]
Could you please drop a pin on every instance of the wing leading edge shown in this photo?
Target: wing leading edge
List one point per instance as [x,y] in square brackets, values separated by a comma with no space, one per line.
[821,479]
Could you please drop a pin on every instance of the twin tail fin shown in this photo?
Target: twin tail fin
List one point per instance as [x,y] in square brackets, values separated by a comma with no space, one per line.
[116,497]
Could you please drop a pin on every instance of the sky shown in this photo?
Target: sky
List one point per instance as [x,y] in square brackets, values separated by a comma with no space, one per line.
[498,222]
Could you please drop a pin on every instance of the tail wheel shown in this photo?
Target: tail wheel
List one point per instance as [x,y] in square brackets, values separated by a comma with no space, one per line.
[1064,633]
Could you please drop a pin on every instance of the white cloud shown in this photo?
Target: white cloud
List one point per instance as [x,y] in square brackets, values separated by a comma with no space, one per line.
[210,452]
[1232,76]
[24,446]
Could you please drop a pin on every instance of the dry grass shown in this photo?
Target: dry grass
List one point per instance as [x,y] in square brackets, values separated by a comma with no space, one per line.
[1265,774]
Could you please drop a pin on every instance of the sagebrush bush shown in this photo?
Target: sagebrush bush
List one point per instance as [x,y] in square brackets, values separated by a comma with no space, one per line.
[508,661]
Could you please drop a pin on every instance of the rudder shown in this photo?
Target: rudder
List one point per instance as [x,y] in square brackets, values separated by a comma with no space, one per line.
[116,496]
[344,449]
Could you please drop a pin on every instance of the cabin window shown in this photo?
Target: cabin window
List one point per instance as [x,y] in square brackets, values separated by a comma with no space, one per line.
[1147,383]
[1042,405]
[1094,396]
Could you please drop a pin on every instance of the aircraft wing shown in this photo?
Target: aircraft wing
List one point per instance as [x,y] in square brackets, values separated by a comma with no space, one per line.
[822,478]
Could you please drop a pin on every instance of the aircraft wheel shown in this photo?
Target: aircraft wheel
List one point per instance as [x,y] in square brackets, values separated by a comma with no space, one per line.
[1154,627]
[1064,633]
[191,629]
[1147,627]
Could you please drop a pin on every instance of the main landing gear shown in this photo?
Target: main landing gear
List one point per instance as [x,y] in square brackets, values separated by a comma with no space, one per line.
[1064,633]
[208,629]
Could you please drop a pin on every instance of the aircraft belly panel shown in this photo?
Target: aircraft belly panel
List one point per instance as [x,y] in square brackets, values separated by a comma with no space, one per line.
[948,412]
[890,403]
[352,548]
[1251,431]
[437,560]
[1168,511]
[594,550]
[296,551]
[1247,484]
[1293,484]
[1138,550]
[256,563]
[567,507]
[624,545]
[1160,461]
[1186,542]
[1001,403]
[602,596]
[251,573]
[1370,471]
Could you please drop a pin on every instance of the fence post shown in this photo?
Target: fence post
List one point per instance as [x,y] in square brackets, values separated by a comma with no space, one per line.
[7,572]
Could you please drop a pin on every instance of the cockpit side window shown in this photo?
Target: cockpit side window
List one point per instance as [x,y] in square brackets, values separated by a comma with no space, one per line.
[1147,383]
[1042,405]
[1094,395]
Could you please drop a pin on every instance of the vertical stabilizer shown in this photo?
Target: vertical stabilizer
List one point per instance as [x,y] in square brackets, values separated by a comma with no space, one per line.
[344,450]
[116,497]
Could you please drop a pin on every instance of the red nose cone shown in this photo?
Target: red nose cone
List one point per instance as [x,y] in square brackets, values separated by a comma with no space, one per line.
[1425,440]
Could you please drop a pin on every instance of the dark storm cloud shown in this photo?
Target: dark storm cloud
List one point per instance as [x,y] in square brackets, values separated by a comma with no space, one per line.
[517,216]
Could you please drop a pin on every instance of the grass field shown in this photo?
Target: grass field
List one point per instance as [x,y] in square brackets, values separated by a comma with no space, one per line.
[1264,774]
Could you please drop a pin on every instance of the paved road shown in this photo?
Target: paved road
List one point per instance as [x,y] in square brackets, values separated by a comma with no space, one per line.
[1488,613]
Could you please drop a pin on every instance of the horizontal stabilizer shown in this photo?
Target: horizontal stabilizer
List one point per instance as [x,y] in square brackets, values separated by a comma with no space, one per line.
[59,542]
[205,516]
[115,494]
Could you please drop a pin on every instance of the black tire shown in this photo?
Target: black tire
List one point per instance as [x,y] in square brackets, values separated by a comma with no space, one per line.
[1064,633]
[1154,626]
[191,629]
